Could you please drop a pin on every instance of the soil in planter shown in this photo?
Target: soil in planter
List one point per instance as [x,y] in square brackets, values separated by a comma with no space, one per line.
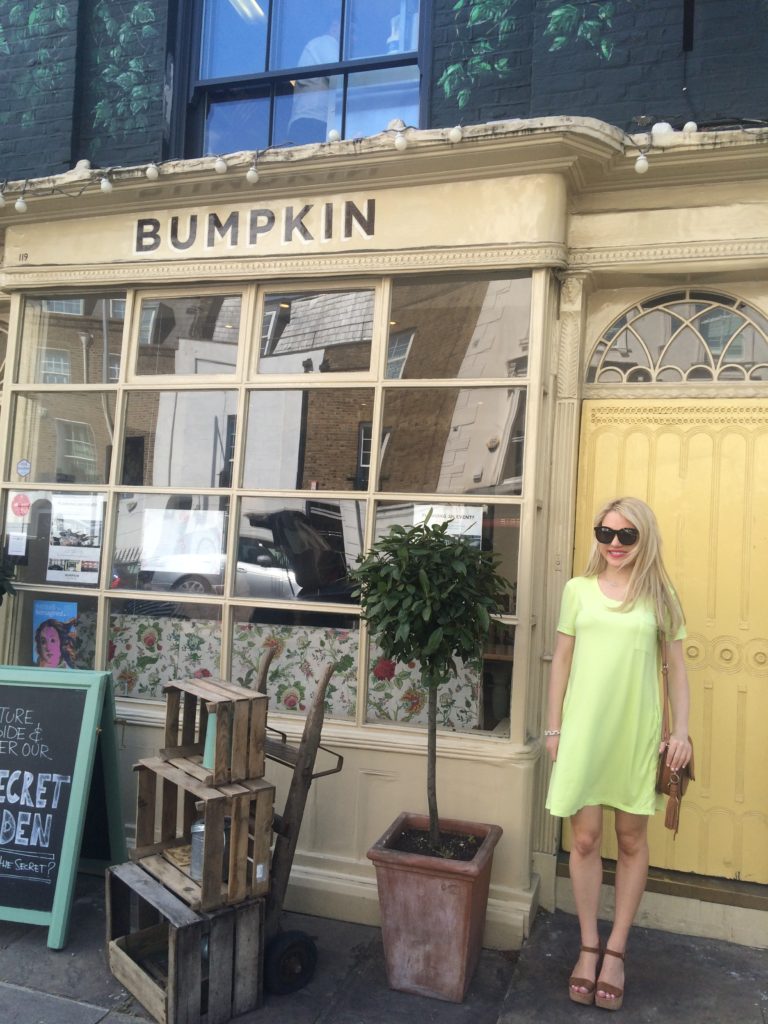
[453,845]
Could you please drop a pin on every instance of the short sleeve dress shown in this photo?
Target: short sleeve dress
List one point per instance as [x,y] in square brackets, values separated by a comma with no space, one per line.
[611,722]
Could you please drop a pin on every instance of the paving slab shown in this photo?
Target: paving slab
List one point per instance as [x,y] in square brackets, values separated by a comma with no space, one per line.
[669,978]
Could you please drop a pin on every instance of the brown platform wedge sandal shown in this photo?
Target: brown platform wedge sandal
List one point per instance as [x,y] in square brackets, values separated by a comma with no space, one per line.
[616,994]
[588,997]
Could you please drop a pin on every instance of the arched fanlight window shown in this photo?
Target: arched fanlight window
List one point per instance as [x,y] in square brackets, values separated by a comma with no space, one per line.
[689,335]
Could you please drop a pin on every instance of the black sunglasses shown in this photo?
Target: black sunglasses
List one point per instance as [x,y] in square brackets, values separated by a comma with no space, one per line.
[627,536]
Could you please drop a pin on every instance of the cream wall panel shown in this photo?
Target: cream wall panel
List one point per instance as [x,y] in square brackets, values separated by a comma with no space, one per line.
[347,812]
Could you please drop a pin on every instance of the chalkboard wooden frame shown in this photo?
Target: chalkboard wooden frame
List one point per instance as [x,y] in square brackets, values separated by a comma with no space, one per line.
[96,729]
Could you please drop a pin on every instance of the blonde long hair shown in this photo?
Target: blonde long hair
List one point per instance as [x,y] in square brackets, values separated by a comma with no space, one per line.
[649,579]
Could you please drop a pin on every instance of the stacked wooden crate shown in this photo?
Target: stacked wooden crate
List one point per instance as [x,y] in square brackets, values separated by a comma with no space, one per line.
[180,920]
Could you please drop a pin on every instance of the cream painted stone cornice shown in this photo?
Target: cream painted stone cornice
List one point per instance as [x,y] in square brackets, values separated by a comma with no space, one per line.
[749,250]
[340,264]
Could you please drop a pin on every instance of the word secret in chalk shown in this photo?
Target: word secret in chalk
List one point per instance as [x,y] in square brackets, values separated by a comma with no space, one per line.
[41,791]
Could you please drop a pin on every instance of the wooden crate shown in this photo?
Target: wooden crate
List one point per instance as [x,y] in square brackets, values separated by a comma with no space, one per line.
[182,966]
[241,719]
[173,798]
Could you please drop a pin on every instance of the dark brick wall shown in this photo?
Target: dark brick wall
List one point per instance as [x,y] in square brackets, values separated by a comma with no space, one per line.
[119,116]
[37,87]
[83,79]
[721,77]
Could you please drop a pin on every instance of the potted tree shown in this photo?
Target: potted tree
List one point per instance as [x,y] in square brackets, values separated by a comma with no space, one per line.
[427,596]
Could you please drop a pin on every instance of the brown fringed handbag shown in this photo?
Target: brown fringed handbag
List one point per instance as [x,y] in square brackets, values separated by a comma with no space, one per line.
[671,784]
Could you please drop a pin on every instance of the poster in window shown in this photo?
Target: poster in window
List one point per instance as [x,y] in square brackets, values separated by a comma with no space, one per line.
[54,634]
[463,520]
[182,540]
[74,551]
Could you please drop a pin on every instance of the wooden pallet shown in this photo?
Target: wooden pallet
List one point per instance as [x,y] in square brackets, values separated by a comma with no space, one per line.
[240,724]
[183,967]
[170,794]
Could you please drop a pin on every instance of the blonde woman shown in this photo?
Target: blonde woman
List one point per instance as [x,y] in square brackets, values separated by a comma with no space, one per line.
[604,725]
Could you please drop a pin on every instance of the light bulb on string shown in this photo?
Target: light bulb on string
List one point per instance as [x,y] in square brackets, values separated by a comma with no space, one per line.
[220,166]
[20,205]
[401,143]
[641,164]
[455,134]
[106,184]
[334,135]
[252,174]
[152,172]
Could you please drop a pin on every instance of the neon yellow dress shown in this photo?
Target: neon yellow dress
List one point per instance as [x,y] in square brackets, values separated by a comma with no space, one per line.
[611,724]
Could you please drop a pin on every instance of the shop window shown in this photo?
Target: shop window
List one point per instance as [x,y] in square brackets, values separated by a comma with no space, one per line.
[478,697]
[71,341]
[685,336]
[453,440]
[305,439]
[298,550]
[286,652]
[346,418]
[467,327]
[55,537]
[62,437]
[185,436]
[189,336]
[170,543]
[154,642]
[316,332]
[287,72]
[53,630]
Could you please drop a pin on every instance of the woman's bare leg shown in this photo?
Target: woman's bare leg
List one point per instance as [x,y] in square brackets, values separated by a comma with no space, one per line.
[631,876]
[586,868]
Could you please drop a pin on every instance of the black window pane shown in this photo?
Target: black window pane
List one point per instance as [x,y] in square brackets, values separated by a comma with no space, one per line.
[234,124]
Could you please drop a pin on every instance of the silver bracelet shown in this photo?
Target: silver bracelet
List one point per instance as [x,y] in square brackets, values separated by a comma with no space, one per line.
[551,732]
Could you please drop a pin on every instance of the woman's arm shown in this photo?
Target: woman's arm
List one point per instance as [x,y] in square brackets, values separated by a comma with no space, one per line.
[558,683]
[680,749]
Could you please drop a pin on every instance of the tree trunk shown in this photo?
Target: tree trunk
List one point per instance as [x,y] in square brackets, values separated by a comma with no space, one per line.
[434,828]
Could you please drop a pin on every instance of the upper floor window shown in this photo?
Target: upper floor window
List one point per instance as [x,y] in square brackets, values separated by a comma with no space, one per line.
[287,72]
[691,335]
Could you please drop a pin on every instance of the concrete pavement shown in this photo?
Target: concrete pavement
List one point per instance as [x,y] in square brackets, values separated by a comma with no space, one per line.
[669,978]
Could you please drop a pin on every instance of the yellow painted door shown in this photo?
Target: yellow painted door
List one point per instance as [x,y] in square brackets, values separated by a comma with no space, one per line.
[703,468]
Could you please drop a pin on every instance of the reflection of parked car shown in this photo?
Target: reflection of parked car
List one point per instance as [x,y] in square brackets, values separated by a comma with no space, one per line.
[259,573]
[285,558]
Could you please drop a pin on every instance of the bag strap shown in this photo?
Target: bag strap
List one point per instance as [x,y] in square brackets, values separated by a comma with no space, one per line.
[665,677]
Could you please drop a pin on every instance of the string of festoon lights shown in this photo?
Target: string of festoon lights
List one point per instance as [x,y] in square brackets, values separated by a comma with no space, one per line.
[83,178]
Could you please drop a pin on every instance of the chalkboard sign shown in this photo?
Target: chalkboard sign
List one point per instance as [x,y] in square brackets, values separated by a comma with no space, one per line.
[51,722]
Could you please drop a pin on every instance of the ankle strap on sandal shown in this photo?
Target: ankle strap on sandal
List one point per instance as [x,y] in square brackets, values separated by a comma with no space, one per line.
[612,952]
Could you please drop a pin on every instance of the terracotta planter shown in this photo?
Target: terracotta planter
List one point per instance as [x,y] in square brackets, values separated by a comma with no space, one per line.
[432,910]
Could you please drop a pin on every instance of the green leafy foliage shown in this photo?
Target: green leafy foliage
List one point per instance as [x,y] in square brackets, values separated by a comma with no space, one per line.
[40,32]
[484,29]
[428,596]
[590,23]
[127,83]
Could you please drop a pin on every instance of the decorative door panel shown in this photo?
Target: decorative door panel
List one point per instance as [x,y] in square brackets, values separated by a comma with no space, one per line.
[703,468]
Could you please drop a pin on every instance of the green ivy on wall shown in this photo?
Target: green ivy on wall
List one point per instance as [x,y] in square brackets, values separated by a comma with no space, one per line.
[38,31]
[485,27]
[126,82]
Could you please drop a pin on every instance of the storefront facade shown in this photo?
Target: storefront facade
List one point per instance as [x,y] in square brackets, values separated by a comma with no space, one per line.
[217,395]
